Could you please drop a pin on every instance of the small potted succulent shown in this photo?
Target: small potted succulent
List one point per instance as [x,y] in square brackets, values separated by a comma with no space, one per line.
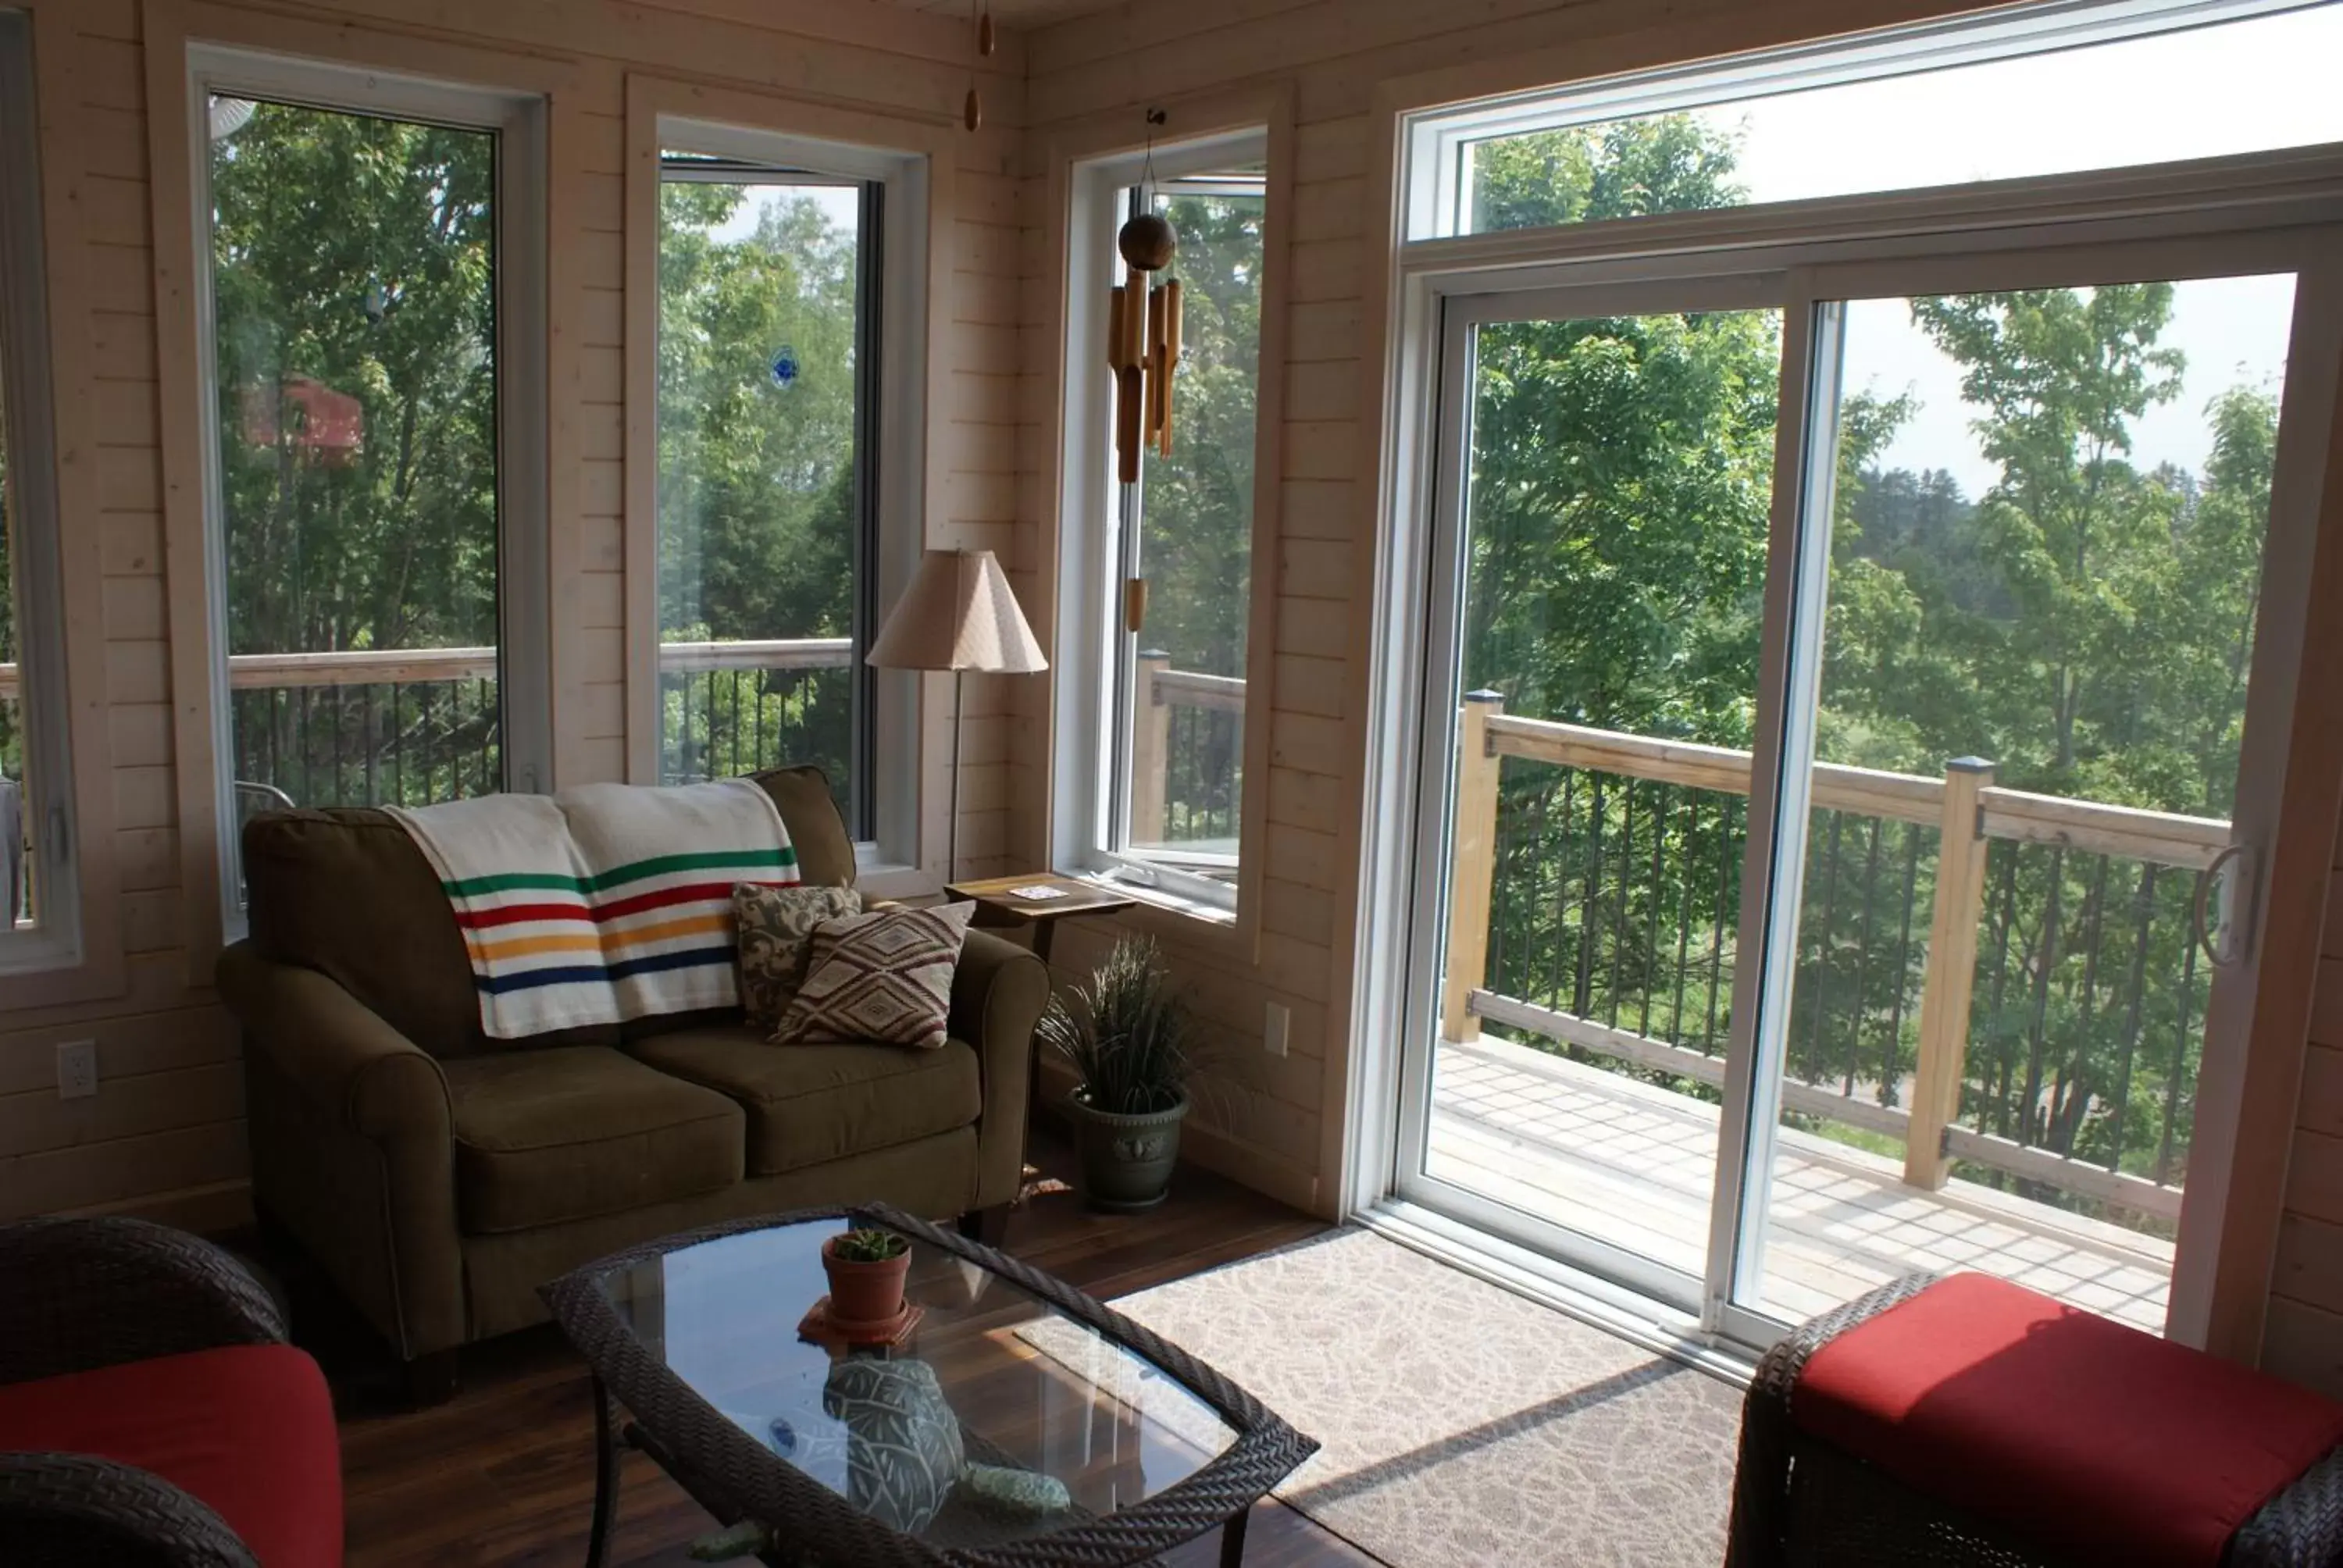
[1128,1037]
[866,1268]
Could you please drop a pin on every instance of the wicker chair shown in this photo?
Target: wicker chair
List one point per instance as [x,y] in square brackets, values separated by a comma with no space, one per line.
[1797,1500]
[79,1294]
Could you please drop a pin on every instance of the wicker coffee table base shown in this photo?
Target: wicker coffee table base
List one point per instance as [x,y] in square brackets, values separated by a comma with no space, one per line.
[640,1405]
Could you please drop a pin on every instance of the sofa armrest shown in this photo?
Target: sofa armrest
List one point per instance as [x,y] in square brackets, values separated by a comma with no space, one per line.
[353,1146]
[998,993]
[338,1050]
[76,1295]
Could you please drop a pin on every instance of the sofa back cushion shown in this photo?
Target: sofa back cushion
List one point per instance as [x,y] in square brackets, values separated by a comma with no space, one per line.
[346,892]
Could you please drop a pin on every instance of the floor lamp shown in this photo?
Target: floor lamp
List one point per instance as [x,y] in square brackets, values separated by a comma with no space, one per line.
[957,614]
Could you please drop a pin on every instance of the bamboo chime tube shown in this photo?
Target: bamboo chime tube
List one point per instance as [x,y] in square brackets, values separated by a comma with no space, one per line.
[1168,362]
[1152,431]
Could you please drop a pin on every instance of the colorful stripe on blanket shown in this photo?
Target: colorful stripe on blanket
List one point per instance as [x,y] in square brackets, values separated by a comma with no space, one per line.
[579,911]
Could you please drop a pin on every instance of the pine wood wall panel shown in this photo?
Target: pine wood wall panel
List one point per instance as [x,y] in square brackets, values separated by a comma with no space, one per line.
[164,1135]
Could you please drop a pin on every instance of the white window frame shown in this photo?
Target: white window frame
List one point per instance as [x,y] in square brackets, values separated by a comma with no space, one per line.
[886,864]
[1438,147]
[28,426]
[525,676]
[1988,235]
[1093,747]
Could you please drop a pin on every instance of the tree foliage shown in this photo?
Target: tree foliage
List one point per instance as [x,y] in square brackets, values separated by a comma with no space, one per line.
[2086,624]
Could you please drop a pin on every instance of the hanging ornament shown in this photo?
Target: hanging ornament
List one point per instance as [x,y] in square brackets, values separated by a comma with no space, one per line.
[1142,332]
[984,40]
[785,367]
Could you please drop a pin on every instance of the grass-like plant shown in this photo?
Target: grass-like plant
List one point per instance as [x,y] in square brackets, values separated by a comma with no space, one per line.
[869,1246]
[1126,1033]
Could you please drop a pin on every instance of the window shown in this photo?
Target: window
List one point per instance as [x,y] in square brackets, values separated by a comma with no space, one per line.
[768,484]
[2057,90]
[377,451]
[37,893]
[1156,747]
[791,465]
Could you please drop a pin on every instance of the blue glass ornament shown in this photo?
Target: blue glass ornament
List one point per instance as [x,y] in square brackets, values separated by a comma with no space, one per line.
[785,368]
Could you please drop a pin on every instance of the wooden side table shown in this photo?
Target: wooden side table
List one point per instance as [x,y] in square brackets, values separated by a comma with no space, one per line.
[999,903]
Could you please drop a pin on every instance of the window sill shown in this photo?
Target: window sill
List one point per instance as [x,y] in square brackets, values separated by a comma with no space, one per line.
[1160,899]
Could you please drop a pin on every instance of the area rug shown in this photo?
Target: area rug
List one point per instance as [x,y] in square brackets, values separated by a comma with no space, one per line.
[1461,1424]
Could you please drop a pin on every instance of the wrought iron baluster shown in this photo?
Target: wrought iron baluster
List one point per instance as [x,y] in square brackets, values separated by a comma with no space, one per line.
[1590,890]
[1716,920]
[1862,959]
[1619,920]
[1889,1094]
[1651,914]
[2164,1146]
[2144,915]
[1820,1003]
[1683,914]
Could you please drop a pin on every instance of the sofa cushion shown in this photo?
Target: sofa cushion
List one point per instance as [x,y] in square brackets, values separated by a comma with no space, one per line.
[247,1430]
[809,812]
[2096,1442]
[572,1131]
[809,1104]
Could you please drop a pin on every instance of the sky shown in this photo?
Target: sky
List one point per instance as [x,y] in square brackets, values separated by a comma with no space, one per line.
[2207,92]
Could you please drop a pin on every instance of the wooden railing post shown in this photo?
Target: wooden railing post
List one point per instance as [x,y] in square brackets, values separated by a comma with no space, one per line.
[1473,875]
[1952,969]
[1150,747]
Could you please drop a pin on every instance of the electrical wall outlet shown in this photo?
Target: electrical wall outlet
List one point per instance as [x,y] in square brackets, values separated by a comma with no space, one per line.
[77,1069]
[1274,1028]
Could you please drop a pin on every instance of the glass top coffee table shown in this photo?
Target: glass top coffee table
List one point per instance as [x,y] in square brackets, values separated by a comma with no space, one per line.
[1020,1423]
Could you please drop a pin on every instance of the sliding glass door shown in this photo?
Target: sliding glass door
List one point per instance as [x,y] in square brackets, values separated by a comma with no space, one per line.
[1837,688]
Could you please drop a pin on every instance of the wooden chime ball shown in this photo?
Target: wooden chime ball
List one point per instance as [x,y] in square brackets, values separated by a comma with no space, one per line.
[1147,242]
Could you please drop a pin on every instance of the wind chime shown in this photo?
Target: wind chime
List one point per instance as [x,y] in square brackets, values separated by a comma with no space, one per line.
[971,112]
[1143,327]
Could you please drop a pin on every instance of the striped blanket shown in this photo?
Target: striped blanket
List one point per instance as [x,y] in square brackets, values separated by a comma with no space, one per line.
[604,904]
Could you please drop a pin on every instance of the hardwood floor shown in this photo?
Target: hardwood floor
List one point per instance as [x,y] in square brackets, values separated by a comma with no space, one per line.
[504,1472]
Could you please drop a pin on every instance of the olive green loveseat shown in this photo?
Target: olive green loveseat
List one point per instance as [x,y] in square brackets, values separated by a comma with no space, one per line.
[439,1176]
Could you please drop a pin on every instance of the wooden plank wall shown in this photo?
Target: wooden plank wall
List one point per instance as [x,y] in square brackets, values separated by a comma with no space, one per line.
[164,1134]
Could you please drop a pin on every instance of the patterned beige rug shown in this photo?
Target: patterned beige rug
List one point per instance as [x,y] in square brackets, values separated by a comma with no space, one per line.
[1462,1424]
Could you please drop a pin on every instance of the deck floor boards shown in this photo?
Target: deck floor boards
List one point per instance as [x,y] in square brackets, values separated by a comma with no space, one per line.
[1634,1165]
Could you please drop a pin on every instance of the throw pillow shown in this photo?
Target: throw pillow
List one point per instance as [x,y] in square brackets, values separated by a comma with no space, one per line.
[776,925]
[883,977]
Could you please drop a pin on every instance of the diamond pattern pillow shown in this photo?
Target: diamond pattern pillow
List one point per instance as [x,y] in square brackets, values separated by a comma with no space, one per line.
[883,977]
[776,926]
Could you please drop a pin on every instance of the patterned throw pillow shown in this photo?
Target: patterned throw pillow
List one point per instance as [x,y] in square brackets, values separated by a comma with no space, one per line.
[883,977]
[776,926]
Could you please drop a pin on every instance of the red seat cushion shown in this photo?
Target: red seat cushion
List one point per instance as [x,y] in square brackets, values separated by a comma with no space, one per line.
[248,1429]
[2086,1437]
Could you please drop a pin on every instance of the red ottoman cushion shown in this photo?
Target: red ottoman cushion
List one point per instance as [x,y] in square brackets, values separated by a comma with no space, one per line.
[248,1429]
[2086,1437]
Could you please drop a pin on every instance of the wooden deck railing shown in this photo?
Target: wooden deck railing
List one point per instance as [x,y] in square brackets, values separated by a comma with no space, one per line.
[1970,814]
[1187,745]
[414,725]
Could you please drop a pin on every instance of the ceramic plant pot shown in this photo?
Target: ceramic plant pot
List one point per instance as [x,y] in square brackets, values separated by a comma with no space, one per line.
[1127,1160]
[866,1294]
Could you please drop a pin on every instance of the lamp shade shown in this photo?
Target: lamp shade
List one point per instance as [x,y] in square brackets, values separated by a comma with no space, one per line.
[957,613]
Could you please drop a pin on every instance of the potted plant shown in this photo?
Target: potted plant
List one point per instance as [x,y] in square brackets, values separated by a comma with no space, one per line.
[1128,1037]
[866,1270]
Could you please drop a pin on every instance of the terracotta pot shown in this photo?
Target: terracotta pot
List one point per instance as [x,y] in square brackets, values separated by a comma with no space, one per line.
[864,1292]
[1127,1160]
